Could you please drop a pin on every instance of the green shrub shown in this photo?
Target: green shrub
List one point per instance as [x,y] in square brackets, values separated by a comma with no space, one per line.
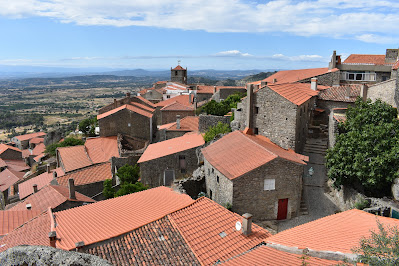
[362,204]
[214,131]
[50,149]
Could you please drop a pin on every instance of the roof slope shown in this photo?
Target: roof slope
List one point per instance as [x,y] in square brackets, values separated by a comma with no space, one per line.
[203,221]
[116,216]
[339,94]
[178,68]
[289,76]
[171,146]
[26,188]
[369,59]
[39,149]
[9,220]
[133,107]
[17,165]
[237,153]
[49,197]
[176,106]
[101,149]
[4,147]
[8,178]
[34,232]
[338,232]
[74,157]
[188,123]
[36,140]
[182,99]
[91,174]
[157,243]
[30,136]
[297,93]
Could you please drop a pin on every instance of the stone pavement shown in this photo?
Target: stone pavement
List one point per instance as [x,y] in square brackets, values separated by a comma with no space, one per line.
[317,203]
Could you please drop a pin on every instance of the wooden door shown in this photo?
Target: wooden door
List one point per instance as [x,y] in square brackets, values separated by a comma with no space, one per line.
[169,177]
[282,209]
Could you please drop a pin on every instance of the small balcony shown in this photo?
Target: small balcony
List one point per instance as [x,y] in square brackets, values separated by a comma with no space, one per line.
[353,76]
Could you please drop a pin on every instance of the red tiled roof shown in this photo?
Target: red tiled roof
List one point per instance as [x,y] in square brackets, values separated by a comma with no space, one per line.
[178,68]
[49,197]
[297,93]
[74,157]
[17,165]
[9,220]
[264,255]
[146,101]
[30,136]
[4,147]
[92,174]
[8,178]
[39,149]
[143,91]
[33,232]
[339,94]
[128,107]
[161,82]
[26,188]
[366,59]
[2,163]
[115,216]
[205,89]
[237,153]
[171,146]
[337,233]
[203,221]
[36,140]
[188,123]
[396,65]
[26,153]
[101,149]
[176,106]
[39,157]
[183,99]
[143,107]
[289,76]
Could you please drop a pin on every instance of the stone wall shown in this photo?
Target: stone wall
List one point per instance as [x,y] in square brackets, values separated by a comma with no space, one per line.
[303,115]
[328,79]
[328,106]
[53,137]
[121,161]
[204,96]
[223,93]
[332,130]
[220,192]
[68,205]
[127,123]
[385,91]
[90,190]
[249,195]
[207,121]
[169,116]
[11,154]
[152,172]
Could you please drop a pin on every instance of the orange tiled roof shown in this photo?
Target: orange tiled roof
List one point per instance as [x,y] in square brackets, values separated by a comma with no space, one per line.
[205,89]
[128,107]
[171,146]
[338,94]
[39,149]
[178,68]
[9,220]
[337,233]
[143,106]
[92,174]
[4,147]
[144,91]
[49,196]
[396,65]
[176,106]
[188,123]
[101,149]
[17,165]
[36,140]
[146,101]
[2,163]
[33,232]
[30,136]
[297,93]
[264,255]
[74,157]
[115,216]
[203,221]
[8,178]
[39,157]
[369,59]
[289,76]
[237,153]
[183,99]
[26,188]
[26,153]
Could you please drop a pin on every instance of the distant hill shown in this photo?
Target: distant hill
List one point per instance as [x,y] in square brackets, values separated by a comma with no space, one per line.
[259,76]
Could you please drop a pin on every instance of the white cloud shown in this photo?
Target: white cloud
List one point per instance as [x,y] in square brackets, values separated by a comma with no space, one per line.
[300,58]
[232,53]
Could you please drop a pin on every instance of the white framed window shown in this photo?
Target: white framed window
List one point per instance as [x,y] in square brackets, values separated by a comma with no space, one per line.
[269,184]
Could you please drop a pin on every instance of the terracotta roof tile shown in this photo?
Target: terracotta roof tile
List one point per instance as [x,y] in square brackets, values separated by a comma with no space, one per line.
[264,255]
[156,243]
[91,174]
[337,233]
[178,68]
[396,65]
[39,149]
[171,146]
[127,107]
[26,153]
[183,99]
[9,220]
[36,140]
[369,59]
[30,136]
[143,106]
[8,178]
[115,217]
[289,76]
[74,157]
[176,106]
[297,93]
[237,153]
[39,157]
[101,149]
[4,147]
[17,165]
[203,221]
[188,123]
[33,232]
[146,101]
[2,163]
[26,188]
[339,94]
[49,197]
[205,89]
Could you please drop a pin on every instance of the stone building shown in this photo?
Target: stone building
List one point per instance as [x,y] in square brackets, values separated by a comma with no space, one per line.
[280,112]
[10,153]
[178,128]
[225,91]
[254,175]
[387,90]
[127,100]
[22,141]
[165,161]
[178,74]
[170,112]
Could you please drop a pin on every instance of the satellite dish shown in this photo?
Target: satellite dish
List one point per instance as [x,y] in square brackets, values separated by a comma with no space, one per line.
[238,226]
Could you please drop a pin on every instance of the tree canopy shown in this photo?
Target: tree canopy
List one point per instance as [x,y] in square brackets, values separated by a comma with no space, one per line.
[88,126]
[50,149]
[220,128]
[223,107]
[366,152]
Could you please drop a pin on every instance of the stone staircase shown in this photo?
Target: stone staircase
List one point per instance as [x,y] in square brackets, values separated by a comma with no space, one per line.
[318,146]
[303,209]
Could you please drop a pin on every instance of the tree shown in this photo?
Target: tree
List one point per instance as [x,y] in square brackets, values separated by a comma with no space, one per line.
[129,188]
[220,128]
[225,106]
[381,248]
[108,191]
[88,126]
[50,149]
[128,173]
[366,152]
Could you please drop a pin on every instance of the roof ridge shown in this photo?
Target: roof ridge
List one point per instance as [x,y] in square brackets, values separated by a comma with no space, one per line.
[37,216]
[54,188]
[261,145]
[84,168]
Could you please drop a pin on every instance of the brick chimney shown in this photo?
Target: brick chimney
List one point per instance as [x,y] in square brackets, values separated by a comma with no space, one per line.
[48,168]
[313,84]
[250,109]
[115,103]
[263,83]
[363,91]
[71,186]
[214,89]
[53,238]
[128,95]
[178,121]
[247,224]
[274,80]
[34,188]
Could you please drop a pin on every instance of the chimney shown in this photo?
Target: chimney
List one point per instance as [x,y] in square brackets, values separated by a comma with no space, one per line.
[313,84]
[53,238]
[48,168]
[263,83]
[214,89]
[28,206]
[247,224]
[128,95]
[363,92]
[274,80]
[333,63]
[115,103]
[178,121]
[79,245]
[347,92]
[34,188]
[71,186]
[54,174]
[250,107]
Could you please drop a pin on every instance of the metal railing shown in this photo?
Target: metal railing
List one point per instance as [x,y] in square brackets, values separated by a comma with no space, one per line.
[358,76]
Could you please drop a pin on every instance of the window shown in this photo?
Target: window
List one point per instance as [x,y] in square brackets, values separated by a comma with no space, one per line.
[213,170]
[269,184]
[256,130]
[168,96]
[256,110]
[210,194]
[175,73]
[169,177]
[209,171]
[182,163]
[384,78]
[217,179]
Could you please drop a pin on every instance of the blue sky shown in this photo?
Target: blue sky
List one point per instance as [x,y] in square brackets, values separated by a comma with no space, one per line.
[203,34]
